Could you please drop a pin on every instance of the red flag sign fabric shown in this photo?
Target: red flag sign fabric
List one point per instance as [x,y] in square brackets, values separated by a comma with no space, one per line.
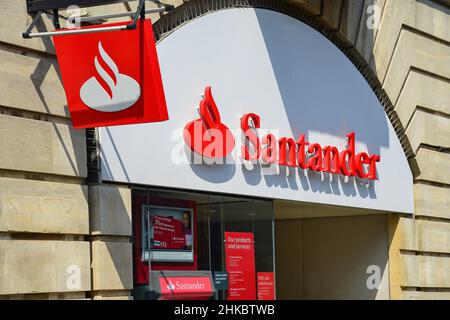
[112,78]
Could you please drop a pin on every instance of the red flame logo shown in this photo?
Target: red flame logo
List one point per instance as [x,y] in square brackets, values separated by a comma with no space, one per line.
[208,136]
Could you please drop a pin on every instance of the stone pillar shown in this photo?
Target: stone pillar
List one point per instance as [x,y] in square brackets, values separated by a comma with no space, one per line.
[110,235]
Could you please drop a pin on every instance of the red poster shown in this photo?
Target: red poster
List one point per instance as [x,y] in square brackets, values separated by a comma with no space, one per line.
[169,233]
[112,78]
[240,264]
[266,286]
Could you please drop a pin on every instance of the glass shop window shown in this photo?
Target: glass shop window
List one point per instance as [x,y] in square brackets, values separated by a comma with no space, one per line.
[197,245]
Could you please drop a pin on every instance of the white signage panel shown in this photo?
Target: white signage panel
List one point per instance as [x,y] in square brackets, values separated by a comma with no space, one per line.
[297,81]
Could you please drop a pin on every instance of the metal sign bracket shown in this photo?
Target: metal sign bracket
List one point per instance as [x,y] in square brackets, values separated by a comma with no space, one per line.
[38,7]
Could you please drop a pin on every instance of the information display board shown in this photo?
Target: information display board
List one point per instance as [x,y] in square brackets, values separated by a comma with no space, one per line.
[240,264]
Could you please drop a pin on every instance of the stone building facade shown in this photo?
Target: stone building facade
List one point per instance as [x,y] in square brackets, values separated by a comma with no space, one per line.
[54,223]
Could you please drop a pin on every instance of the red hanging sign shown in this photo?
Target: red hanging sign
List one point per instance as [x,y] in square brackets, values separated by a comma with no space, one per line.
[112,78]
[240,264]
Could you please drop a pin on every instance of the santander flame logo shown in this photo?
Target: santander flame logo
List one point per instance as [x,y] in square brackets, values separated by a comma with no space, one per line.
[108,90]
[208,136]
[170,285]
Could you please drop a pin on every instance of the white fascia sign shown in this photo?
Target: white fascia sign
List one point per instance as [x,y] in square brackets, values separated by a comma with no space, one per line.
[295,120]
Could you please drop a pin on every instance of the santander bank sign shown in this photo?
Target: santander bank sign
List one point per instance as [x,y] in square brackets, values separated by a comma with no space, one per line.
[287,117]
[112,78]
[210,138]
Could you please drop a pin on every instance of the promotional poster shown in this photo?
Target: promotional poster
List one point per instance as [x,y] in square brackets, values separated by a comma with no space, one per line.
[169,232]
[240,264]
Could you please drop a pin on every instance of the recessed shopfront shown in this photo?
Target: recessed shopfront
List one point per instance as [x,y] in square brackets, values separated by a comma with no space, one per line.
[194,232]
[289,200]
